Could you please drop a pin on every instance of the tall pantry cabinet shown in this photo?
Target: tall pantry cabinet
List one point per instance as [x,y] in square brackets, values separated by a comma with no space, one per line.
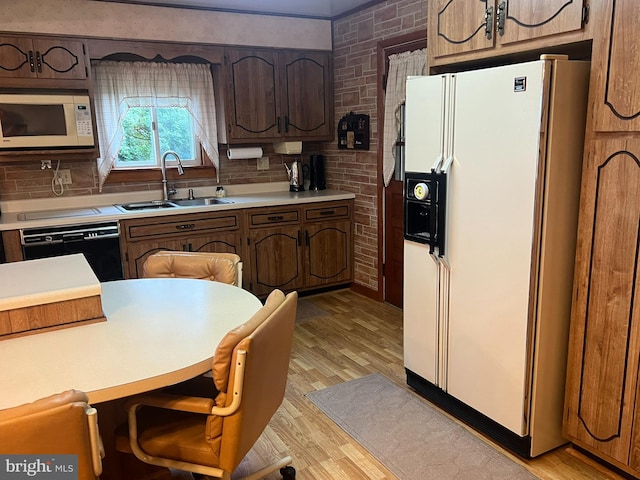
[602,409]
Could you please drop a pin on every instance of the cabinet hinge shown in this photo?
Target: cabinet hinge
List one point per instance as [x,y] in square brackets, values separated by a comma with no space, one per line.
[585,14]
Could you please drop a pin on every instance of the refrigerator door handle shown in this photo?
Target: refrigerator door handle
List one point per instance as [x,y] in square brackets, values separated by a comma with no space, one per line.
[437,163]
[451,101]
[443,322]
[447,164]
[437,261]
[443,126]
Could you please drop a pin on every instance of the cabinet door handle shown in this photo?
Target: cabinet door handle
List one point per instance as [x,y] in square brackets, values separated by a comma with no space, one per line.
[327,212]
[488,24]
[276,218]
[39,62]
[299,237]
[185,226]
[286,123]
[279,126]
[502,13]
[32,65]
[306,238]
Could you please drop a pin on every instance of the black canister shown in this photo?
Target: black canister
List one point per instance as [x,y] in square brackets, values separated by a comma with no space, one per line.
[317,180]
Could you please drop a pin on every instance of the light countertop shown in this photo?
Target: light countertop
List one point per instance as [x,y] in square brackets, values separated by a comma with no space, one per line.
[46,280]
[159,331]
[101,208]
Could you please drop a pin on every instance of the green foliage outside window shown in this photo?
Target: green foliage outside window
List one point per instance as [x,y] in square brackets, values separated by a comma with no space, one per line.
[174,132]
[137,140]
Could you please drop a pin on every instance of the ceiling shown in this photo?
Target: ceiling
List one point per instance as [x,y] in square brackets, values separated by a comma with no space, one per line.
[328,9]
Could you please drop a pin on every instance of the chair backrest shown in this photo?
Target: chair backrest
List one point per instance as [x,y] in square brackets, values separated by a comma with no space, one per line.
[221,364]
[63,423]
[218,267]
[265,379]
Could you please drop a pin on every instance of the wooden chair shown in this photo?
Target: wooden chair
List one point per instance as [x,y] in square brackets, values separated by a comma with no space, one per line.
[60,424]
[211,435]
[218,267]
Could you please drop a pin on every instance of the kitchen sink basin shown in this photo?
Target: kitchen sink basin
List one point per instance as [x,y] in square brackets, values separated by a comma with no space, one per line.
[180,202]
[153,205]
[195,202]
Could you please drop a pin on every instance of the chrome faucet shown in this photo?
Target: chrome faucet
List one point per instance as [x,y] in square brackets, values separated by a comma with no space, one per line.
[163,165]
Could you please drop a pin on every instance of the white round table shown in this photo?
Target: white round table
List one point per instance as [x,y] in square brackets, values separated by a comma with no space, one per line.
[158,332]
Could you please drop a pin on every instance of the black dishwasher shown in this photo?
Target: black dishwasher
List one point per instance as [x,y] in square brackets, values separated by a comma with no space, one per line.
[98,242]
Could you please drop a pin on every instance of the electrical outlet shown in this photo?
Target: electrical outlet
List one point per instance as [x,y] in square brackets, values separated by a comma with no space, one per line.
[263,163]
[65,176]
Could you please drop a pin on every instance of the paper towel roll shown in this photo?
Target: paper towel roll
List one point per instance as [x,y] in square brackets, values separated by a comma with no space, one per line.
[238,153]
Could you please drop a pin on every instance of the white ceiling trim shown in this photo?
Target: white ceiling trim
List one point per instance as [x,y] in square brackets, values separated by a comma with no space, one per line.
[320,9]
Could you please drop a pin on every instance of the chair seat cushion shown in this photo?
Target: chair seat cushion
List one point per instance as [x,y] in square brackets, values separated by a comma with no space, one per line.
[175,435]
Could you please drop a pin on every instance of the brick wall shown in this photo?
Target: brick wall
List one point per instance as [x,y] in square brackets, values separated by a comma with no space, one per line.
[355,40]
[28,180]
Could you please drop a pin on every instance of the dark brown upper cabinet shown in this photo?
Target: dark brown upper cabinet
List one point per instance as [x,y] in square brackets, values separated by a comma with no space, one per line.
[278,95]
[464,30]
[41,61]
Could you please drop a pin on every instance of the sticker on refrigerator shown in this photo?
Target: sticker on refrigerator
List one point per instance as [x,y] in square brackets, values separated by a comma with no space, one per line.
[520,84]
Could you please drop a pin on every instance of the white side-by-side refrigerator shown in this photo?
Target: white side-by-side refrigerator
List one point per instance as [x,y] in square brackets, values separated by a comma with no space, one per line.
[486,313]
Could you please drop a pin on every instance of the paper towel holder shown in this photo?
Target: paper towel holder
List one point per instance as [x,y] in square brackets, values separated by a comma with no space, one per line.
[288,148]
[238,153]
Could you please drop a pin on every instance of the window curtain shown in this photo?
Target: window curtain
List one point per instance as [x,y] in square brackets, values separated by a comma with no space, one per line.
[119,86]
[401,66]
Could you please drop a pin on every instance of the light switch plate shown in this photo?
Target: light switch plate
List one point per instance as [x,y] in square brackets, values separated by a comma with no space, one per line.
[263,163]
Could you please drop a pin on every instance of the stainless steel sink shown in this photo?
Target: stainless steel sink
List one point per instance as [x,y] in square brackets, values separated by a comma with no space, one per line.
[152,205]
[195,202]
[180,202]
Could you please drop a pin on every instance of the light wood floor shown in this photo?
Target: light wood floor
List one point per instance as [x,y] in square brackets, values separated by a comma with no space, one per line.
[359,337]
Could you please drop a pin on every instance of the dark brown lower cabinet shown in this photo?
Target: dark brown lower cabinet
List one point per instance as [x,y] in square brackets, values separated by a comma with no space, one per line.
[203,232]
[300,248]
[286,247]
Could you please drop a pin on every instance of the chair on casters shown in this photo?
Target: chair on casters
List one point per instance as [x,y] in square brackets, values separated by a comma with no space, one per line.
[60,424]
[219,267]
[211,435]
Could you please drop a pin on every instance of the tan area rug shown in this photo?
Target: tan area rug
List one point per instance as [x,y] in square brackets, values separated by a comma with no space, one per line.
[410,437]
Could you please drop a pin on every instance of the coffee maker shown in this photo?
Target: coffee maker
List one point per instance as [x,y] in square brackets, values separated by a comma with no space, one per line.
[317,180]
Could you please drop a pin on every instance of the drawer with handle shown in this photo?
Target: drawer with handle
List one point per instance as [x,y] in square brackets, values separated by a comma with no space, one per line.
[274,217]
[328,212]
[180,225]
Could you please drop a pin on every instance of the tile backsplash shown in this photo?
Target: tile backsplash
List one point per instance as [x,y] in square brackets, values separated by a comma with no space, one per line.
[29,180]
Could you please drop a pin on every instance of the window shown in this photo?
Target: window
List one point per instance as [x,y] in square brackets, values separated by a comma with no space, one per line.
[144,109]
[148,132]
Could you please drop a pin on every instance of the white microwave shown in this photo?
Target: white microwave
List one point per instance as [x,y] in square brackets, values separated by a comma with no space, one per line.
[45,121]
